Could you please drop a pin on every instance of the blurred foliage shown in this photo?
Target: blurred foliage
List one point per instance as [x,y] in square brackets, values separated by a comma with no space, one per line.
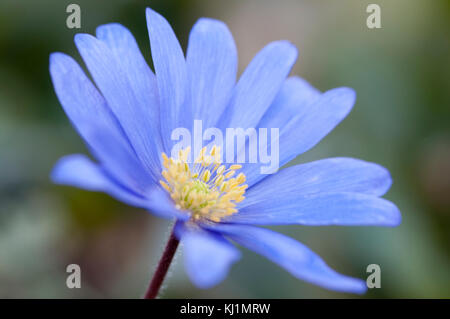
[401,120]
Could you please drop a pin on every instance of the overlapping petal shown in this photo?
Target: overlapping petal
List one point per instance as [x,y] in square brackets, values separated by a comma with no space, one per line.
[293,256]
[292,101]
[259,84]
[140,77]
[212,65]
[304,132]
[333,191]
[81,101]
[349,209]
[122,165]
[207,256]
[171,74]
[113,82]
[338,174]
[79,171]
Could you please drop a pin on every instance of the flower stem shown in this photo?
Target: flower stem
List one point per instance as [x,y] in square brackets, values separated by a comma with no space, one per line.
[163,266]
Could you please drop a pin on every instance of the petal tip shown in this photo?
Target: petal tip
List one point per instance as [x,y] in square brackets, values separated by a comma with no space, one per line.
[204,23]
[82,39]
[348,94]
[360,287]
[56,61]
[54,56]
[59,170]
[396,217]
[54,174]
[58,57]
[150,14]
[392,216]
[101,30]
[289,48]
[342,98]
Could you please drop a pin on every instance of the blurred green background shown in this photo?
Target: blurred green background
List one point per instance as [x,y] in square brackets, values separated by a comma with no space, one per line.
[401,120]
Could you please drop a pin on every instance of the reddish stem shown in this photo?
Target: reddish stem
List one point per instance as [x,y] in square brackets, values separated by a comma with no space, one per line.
[163,266]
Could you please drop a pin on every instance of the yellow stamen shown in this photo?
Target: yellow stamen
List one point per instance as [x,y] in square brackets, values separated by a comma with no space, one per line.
[206,188]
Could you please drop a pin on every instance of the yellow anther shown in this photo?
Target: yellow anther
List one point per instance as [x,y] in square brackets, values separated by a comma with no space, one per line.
[221,169]
[223,186]
[165,186]
[165,174]
[165,160]
[240,178]
[219,180]
[206,188]
[229,174]
[206,176]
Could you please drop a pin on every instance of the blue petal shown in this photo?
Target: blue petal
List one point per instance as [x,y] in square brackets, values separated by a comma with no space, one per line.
[329,175]
[132,113]
[140,77]
[305,131]
[81,100]
[291,101]
[212,66]
[161,205]
[170,68]
[77,170]
[207,256]
[293,256]
[259,84]
[349,209]
[119,163]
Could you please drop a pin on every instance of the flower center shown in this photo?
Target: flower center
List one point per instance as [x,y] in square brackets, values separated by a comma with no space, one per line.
[206,187]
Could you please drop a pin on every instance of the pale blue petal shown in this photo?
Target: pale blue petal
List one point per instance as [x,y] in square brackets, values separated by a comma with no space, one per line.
[207,256]
[292,101]
[293,256]
[258,85]
[77,170]
[345,209]
[304,132]
[119,163]
[329,175]
[140,77]
[212,65]
[171,74]
[114,83]
[81,101]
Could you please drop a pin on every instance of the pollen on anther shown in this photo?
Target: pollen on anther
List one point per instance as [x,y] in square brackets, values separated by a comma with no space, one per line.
[206,187]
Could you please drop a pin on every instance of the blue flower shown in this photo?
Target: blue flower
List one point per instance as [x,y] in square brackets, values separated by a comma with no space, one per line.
[126,121]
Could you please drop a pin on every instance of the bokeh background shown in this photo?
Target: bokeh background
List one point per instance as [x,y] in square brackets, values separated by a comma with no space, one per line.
[401,120]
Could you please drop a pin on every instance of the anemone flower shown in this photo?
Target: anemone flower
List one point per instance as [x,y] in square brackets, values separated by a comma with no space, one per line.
[127,119]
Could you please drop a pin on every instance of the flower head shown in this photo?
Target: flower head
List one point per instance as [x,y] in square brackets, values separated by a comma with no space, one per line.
[128,117]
